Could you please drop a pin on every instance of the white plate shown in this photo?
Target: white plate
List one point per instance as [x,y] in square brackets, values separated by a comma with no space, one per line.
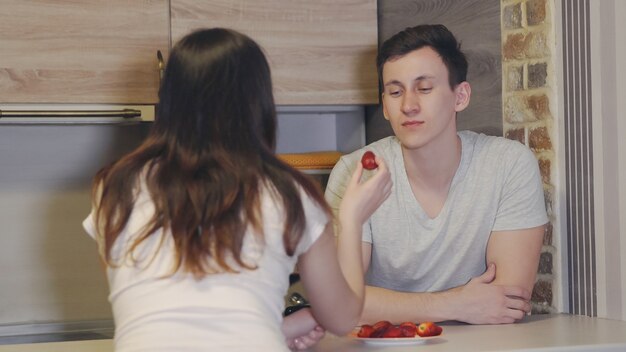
[394,341]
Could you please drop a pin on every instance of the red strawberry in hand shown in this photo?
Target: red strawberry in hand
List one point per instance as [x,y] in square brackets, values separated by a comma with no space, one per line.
[369,161]
[429,329]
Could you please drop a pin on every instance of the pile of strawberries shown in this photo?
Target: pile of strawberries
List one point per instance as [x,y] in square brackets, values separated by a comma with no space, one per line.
[385,328]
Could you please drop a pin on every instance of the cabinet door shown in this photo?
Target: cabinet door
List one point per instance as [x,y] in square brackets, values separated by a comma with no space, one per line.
[88,51]
[320,52]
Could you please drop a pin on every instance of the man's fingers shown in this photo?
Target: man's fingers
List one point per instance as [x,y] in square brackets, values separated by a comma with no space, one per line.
[517,292]
[381,163]
[508,319]
[518,304]
[356,175]
[516,314]
[488,275]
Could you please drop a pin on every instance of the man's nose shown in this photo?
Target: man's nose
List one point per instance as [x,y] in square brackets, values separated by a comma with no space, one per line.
[410,104]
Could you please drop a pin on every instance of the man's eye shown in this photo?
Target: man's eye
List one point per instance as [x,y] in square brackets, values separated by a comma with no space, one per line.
[425,90]
[395,93]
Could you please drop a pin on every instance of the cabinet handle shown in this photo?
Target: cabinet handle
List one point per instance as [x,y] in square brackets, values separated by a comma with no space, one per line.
[161,65]
[124,113]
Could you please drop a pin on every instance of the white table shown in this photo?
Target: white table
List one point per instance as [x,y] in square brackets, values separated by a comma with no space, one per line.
[549,333]
[558,332]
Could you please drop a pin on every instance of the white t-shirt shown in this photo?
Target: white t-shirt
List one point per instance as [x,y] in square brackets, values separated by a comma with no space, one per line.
[497,186]
[221,312]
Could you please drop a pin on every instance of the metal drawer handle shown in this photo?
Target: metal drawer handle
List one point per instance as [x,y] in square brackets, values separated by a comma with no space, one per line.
[124,113]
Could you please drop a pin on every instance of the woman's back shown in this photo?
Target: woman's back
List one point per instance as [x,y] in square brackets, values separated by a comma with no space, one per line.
[155,310]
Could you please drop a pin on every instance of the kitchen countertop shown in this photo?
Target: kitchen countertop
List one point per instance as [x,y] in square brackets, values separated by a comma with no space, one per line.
[68,346]
[553,332]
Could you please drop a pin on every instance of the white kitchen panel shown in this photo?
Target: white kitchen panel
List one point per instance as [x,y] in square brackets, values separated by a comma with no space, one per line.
[303,129]
[51,267]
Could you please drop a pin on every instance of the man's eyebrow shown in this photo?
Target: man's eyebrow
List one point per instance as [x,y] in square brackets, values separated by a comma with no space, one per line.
[395,82]
[424,77]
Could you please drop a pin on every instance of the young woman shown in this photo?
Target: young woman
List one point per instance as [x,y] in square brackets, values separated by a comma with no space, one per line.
[201,225]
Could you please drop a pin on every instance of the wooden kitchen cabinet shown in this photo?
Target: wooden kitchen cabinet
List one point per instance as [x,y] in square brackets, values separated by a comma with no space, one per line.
[88,51]
[93,51]
[320,52]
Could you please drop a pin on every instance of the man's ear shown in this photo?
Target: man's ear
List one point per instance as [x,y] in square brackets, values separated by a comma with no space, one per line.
[463,91]
[385,114]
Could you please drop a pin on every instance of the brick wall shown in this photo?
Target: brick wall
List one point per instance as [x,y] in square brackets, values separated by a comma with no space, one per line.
[528,92]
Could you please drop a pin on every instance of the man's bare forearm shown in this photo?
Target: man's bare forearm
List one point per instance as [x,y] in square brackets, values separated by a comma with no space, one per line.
[398,307]
[480,301]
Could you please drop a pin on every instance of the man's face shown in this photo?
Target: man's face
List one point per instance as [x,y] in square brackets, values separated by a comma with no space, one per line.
[418,100]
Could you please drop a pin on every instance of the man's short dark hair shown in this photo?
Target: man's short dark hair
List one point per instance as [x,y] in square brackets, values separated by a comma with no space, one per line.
[436,36]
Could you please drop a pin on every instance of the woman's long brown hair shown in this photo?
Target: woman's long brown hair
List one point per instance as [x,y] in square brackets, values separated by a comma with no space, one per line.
[208,157]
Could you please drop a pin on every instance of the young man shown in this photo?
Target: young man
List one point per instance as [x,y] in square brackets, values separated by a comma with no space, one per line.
[460,236]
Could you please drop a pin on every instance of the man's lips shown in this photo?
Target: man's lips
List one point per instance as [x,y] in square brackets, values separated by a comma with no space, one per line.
[412,123]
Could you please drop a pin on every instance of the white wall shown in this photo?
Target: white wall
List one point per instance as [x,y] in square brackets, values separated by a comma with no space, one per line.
[609,128]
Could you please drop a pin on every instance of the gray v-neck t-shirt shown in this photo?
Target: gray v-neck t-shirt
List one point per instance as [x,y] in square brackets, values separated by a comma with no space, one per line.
[497,187]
